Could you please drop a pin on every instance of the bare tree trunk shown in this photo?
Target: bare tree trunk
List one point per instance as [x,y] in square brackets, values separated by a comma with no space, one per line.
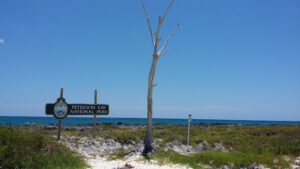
[148,137]
[156,54]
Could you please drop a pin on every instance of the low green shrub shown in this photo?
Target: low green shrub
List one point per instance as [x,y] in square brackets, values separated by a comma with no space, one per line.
[22,147]
[217,159]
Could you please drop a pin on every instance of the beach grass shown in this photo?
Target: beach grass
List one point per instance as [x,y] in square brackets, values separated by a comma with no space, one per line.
[28,147]
[218,159]
[246,144]
[275,139]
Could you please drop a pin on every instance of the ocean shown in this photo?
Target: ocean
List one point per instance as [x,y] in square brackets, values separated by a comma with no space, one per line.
[21,120]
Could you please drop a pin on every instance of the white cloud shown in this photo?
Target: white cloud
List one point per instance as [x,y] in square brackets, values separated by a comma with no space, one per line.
[1,40]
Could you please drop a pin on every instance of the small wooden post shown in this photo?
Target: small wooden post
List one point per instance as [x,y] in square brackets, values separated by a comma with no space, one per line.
[58,129]
[59,121]
[95,102]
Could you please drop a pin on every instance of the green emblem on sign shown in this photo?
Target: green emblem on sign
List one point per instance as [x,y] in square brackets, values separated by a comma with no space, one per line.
[60,109]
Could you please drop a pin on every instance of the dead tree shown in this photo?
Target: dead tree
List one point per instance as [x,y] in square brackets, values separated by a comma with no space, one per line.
[155,56]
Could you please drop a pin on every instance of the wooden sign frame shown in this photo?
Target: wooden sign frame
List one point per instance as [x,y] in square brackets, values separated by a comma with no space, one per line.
[61,109]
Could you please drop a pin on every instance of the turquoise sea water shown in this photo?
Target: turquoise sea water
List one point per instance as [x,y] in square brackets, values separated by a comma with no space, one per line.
[21,120]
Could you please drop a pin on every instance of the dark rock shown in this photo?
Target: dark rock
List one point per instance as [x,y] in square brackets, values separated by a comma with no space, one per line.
[119,123]
[197,141]
[201,124]
[82,129]
[270,133]
[49,127]
[46,149]
[67,129]
[126,166]
[252,166]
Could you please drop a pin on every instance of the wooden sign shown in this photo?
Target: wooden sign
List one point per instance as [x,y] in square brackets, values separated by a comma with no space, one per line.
[60,109]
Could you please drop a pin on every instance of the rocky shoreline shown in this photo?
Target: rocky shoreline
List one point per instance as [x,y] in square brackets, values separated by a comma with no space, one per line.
[89,126]
[140,125]
[90,147]
[95,148]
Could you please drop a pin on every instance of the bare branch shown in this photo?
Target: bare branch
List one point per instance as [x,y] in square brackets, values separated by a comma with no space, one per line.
[167,11]
[148,20]
[163,52]
[170,36]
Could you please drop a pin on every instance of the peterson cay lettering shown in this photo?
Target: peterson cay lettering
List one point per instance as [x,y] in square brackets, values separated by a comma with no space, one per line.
[86,109]
[82,109]
[75,107]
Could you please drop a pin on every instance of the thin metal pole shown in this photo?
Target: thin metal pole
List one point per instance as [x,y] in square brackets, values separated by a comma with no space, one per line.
[59,121]
[95,102]
[188,138]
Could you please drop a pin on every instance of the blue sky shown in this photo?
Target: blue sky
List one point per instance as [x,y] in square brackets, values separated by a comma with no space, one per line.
[229,59]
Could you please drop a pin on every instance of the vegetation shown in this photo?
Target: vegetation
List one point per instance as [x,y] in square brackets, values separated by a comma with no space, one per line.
[246,144]
[275,139]
[217,159]
[279,140]
[28,147]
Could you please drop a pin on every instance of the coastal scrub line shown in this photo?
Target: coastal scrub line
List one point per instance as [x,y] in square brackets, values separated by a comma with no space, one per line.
[234,146]
[28,147]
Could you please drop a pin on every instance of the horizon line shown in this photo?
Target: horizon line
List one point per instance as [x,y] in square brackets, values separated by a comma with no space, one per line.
[83,116]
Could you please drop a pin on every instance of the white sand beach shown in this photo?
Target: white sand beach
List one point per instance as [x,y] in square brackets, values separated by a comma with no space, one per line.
[134,161]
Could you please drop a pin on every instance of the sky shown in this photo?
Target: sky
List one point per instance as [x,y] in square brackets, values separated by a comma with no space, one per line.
[229,59]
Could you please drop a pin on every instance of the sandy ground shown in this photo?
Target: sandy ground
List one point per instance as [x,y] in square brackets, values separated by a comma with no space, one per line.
[137,163]
[102,163]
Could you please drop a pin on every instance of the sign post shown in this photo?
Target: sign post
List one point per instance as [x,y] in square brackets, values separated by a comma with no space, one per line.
[95,102]
[188,139]
[59,120]
[60,109]
[58,129]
